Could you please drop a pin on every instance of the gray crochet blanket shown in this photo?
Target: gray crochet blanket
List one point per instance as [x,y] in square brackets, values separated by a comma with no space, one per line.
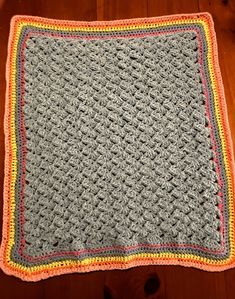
[118,148]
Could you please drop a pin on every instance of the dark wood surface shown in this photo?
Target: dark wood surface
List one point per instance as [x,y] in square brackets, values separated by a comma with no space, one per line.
[169,282]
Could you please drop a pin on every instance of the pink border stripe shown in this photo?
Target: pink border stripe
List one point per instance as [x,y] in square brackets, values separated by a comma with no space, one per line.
[123,248]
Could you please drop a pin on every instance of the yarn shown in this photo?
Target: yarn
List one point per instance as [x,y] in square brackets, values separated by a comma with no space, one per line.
[109,164]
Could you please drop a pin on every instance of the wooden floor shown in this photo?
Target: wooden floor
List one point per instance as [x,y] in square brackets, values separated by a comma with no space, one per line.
[143,282]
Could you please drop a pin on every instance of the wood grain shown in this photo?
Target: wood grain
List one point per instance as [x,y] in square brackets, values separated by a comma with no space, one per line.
[140,282]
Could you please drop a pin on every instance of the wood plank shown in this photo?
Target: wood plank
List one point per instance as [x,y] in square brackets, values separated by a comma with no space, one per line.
[121,9]
[160,8]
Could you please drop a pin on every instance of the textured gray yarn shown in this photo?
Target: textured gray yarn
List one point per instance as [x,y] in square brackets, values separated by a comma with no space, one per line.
[118,149]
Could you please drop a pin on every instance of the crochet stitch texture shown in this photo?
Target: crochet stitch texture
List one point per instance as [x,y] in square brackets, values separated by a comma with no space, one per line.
[119,150]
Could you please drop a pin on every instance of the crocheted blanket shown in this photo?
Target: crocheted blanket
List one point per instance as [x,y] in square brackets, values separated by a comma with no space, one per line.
[118,149]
